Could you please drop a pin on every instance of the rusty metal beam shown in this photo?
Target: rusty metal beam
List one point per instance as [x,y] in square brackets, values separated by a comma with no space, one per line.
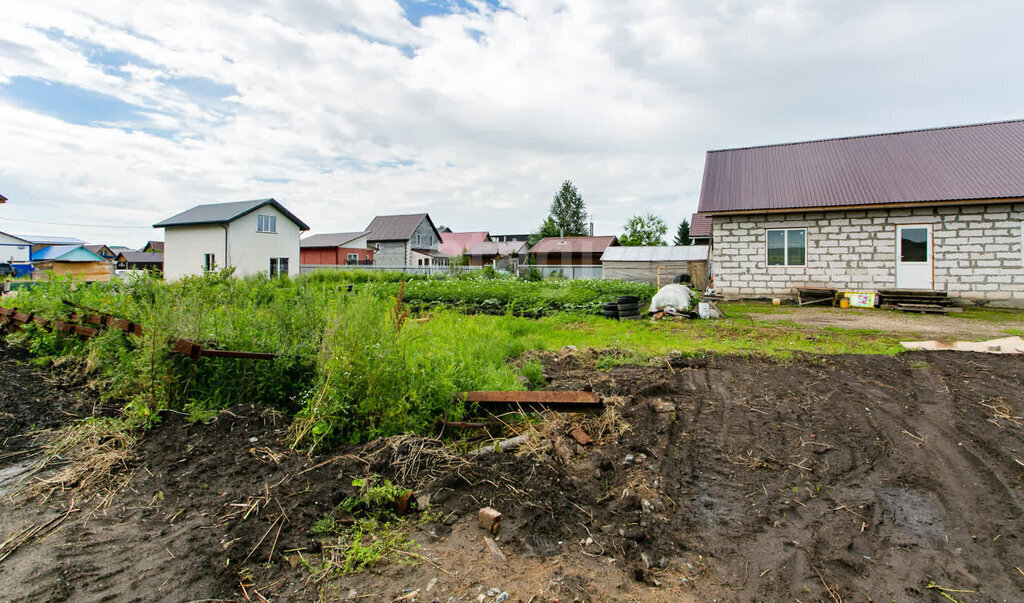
[560,401]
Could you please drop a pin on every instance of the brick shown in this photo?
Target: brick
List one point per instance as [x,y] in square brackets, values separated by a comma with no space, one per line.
[489,520]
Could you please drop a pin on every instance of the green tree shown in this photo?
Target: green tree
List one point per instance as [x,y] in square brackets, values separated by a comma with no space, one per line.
[683,234]
[647,229]
[547,229]
[568,215]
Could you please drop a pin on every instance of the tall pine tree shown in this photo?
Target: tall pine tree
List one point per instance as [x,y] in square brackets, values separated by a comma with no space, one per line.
[683,234]
[568,215]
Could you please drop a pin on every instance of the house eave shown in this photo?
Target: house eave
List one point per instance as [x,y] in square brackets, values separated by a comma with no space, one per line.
[864,206]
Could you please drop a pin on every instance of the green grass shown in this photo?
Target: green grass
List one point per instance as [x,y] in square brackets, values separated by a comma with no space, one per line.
[639,341]
[995,315]
[349,369]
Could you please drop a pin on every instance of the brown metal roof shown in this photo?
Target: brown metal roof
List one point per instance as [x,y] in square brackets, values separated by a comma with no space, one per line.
[397,228]
[984,161]
[573,245]
[431,252]
[700,225]
[141,257]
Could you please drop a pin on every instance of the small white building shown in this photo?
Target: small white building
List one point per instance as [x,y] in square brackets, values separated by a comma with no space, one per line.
[14,249]
[255,237]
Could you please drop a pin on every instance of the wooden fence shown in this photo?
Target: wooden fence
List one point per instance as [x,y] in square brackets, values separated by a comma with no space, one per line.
[11,318]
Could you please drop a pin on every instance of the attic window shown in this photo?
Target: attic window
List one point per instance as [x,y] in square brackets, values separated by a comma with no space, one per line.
[266,223]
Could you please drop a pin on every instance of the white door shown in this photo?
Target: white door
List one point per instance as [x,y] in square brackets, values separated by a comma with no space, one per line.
[914,256]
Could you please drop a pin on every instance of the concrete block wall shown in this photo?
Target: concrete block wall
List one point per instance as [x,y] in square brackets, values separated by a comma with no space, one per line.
[392,253]
[976,249]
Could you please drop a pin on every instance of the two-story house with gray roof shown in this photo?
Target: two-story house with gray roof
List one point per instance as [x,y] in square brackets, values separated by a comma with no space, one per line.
[255,237]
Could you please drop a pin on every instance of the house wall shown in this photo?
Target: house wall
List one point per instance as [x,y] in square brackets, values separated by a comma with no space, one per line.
[426,239]
[392,253]
[647,272]
[186,246]
[13,250]
[250,251]
[976,250]
[330,256]
[569,259]
[88,271]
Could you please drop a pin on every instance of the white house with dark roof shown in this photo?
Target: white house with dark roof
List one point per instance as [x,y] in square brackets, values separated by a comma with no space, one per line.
[255,237]
[938,210]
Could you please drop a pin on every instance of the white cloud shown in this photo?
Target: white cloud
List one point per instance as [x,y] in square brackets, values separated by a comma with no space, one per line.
[492,108]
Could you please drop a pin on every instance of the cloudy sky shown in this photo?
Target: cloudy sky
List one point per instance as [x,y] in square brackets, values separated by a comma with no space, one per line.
[119,113]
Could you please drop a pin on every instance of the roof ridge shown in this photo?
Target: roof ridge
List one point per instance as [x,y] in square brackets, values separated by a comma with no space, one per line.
[876,135]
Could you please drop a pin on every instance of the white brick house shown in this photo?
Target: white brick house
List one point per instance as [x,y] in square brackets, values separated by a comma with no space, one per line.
[939,210]
[255,237]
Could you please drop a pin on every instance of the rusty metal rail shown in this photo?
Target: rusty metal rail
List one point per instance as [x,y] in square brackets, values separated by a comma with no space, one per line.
[559,401]
[12,318]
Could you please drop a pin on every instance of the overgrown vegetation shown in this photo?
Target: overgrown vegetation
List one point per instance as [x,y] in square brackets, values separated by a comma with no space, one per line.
[351,364]
[370,533]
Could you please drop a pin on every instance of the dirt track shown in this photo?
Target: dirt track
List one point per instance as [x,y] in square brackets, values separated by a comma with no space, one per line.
[852,477]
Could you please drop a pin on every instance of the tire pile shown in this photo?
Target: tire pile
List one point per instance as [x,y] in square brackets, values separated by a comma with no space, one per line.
[627,307]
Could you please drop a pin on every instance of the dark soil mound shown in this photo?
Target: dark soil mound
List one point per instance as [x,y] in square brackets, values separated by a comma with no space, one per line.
[737,479]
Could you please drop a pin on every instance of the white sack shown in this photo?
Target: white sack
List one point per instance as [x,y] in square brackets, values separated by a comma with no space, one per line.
[675,296]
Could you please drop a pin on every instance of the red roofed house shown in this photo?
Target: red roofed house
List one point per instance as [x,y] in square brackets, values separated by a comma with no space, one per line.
[457,243]
[700,229]
[566,252]
[938,210]
[335,248]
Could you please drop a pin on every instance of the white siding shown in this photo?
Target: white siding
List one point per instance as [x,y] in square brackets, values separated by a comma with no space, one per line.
[186,246]
[250,251]
[13,249]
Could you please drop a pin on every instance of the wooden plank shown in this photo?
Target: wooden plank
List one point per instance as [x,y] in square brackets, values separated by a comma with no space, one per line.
[922,308]
[86,331]
[188,348]
[236,354]
[562,401]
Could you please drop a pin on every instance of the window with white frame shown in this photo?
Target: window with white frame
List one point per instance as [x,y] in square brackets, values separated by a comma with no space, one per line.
[209,262]
[266,223]
[787,247]
[278,267]
[353,258]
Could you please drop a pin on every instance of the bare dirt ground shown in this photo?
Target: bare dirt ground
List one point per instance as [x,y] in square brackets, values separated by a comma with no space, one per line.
[820,479]
[925,326]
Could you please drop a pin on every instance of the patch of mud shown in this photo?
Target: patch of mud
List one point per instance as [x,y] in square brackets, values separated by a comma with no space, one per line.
[736,479]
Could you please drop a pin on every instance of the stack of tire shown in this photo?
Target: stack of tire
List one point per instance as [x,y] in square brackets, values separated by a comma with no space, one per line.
[628,307]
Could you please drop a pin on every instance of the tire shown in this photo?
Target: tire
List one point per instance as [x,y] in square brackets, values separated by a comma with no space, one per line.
[628,299]
[631,317]
[625,314]
[611,314]
[628,308]
[610,306]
